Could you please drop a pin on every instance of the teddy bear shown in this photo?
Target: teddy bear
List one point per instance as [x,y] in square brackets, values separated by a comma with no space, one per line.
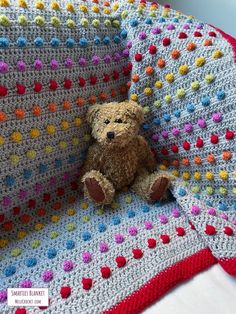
[120,158]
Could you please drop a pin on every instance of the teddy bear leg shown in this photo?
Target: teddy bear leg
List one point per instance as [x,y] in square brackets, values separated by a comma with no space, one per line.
[151,187]
[98,188]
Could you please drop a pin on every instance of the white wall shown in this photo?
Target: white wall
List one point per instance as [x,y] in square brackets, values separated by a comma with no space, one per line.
[220,13]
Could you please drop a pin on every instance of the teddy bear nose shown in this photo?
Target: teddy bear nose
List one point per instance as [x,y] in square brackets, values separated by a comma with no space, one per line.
[110,135]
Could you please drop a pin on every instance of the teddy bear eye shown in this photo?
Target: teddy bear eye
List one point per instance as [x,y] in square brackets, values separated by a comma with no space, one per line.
[107,121]
[118,121]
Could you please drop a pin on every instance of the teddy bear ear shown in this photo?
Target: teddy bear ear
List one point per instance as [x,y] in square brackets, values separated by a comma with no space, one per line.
[135,111]
[92,113]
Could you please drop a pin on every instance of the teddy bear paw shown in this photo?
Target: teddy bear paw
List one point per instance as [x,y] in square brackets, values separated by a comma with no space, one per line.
[95,190]
[159,188]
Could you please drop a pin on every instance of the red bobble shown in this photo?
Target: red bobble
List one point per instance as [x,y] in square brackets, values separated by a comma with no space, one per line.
[74,186]
[228,231]
[137,253]
[164,151]
[87,283]
[20,311]
[53,85]
[93,80]
[166,41]
[192,225]
[37,87]
[229,135]
[46,197]
[182,35]
[152,49]
[186,145]
[106,272]
[126,71]
[20,89]
[31,204]
[197,34]
[65,292]
[3,91]
[115,75]
[106,78]
[180,231]
[82,82]
[8,226]
[214,139]
[152,243]
[199,142]
[16,210]
[210,230]
[44,307]
[138,57]
[60,191]
[165,238]
[120,261]
[212,34]
[129,66]
[67,84]
[174,148]
[2,217]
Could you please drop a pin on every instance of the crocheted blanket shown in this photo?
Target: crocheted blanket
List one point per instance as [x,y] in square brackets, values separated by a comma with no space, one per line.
[58,58]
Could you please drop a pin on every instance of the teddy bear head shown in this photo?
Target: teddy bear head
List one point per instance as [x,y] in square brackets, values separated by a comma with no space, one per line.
[115,123]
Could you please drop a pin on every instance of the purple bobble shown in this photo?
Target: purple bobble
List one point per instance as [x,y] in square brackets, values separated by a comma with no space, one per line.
[6,201]
[217,117]
[156,31]
[119,238]
[68,265]
[132,231]
[69,63]
[155,137]
[129,44]
[86,257]
[175,212]
[186,27]
[38,65]
[188,128]
[25,284]
[211,211]
[195,210]
[107,59]
[52,181]
[47,275]
[3,67]
[175,131]
[38,187]
[54,64]
[164,134]
[21,66]
[224,216]
[82,62]
[23,194]
[170,27]
[96,60]
[125,53]
[3,296]
[201,123]
[103,247]
[142,35]
[148,225]
[116,56]
[163,219]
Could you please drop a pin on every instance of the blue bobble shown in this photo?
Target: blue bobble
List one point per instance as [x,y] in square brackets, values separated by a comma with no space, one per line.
[58,163]
[197,196]
[133,23]
[234,206]
[9,270]
[70,244]
[21,42]
[51,253]
[190,108]
[115,220]
[30,262]
[70,43]
[116,39]
[167,117]
[43,168]
[148,21]
[131,213]
[181,192]
[106,40]
[86,236]
[27,173]
[175,20]
[222,206]
[55,42]
[220,95]
[177,113]
[72,159]
[156,121]
[10,181]
[145,126]
[145,209]
[102,227]
[158,204]
[97,40]
[190,21]
[83,42]
[205,101]
[123,33]
[209,203]
[38,42]
[161,20]
[4,42]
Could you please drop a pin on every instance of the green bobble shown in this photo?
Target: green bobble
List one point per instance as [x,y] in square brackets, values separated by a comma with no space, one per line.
[54,234]
[107,23]
[223,190]
[234,191]
[100,212]
[85,219]
[84,22]
[168,99]
[195,189]
[146,109]
[116,23]
[128,199]
[87,137]
[70,23]
[124,14]
[209,78]
[39,20]
[152,14]
[140,11]
[4,20]
[96,23]
[35,244]
[195,86]
[70,227]
[157,103]
[209,190]
[180,93]
[22,20]
[16,252]
[55,21]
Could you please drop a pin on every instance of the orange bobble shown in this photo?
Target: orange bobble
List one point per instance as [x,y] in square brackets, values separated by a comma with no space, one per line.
[25,219]
[36,110]
[175,163]
[197,160]
[66,105]
[123,89]
[191,46]
[185,162]
[19,113]
[175,54]
[211,158]
[92,99]
[3,116]
[106,4]
[135,78]
[149,70]
[80,101]
[207,42]
[52,107]
[71,200]
[165,162]
[95,1]
[8,226]
[103,96]
[57,205]
[113,93]
[161,63]
[128,85]
[227,155]
[41,212]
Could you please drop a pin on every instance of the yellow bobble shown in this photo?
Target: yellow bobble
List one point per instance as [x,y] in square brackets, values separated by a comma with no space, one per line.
[16,137]
[70,227]
[186,176]
[223,190]
[38,227]
[83,8]
[200,61]
[50,129]
[22,20]
[16,252]
[95,9]
[39,5]
[55,218]
[21,234]
[75,141]
[115,205]
[115,6]
[162,167]
[34,133]
[130,1]
[55,21]
[195,85]
[3,243]
[48,149]
[4,3]
[2,141]
[70,7]
[223,175]
[209,78]
[39,20]
[99,212]
[31,154]
[209,175]
[62,144]
[157,103]
[14,159]
[85,219]
[168,99]
[54,234]
[134,97]
[22,4]
[148,91]
[84,205]
[180,93]
[175,172]
[234,190]
[170,77]
[65,125]
[183,69]
[70,212]
[4,20]
[35,243]
[158,84]
[217,54]
[195,189]
[146,109]
[197,176]
[55,5]
[106,11]
[70,23]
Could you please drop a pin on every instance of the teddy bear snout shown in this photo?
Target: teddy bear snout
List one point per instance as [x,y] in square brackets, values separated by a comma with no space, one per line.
[110,135]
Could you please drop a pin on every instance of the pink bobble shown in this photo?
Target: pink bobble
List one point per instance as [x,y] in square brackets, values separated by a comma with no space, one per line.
[25,284]
[6,201]
[163,219]
[86,257]
[103,247]
[142,35]
[119,238]
[201,123]
[195,210]
[21,66]
[68,265]
[95,60]
[47,275]
[224,216]
[164,134]
[234,221]
[66,176]
[54,64]
[38,65]
[175,212]
[52,181]
[3,296]
[175,131]
[188,128]
[148,225]
[133,231]
[107,59]
[217,117]
[129,44]
[38,187]
[23,194]
[116,56]
[125,53]
[211,211]
[69,63]
[82,62]
[4,68]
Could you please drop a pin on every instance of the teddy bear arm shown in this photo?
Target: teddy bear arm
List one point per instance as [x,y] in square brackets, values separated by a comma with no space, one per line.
[92,161]
[146,157]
